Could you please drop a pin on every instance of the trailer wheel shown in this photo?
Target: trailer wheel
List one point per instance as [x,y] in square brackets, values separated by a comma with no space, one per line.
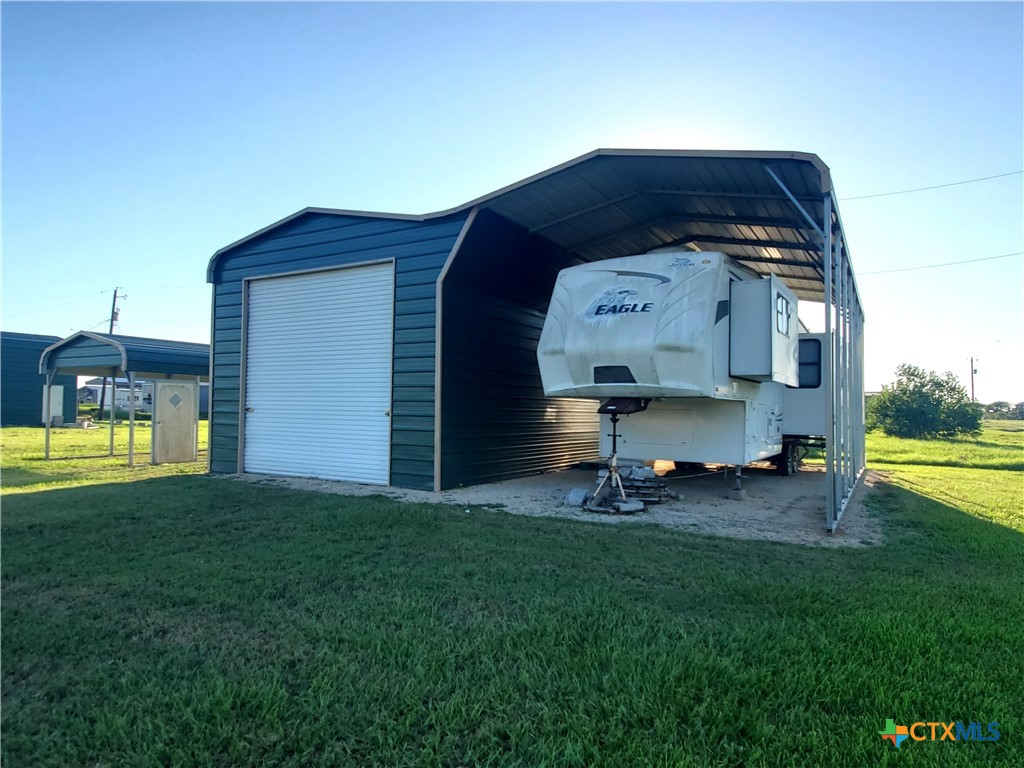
[786,463]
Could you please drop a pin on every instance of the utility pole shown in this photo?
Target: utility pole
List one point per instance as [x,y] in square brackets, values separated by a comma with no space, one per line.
[973,371]
[103,389]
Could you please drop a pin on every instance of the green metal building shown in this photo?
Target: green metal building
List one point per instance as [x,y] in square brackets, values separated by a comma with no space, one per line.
[21,383]
[397,349]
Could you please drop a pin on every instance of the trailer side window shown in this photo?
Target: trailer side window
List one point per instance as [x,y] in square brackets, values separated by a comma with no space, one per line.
[810,363]
[783,314]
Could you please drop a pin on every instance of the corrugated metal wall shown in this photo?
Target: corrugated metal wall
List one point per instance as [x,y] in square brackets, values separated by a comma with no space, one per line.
[496,422]
[84,351]
[21,384]
[319,241]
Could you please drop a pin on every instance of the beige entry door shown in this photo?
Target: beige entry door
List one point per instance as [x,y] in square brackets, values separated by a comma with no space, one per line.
[175,421]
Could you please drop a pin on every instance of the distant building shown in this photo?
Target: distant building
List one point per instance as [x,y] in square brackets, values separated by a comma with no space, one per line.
[21,384]
[90,393]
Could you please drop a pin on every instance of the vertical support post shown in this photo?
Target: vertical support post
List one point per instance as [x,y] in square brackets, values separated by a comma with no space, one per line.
[830,438]
[848,393]
[47,416]
[862,458]
[113,408]
[103,398]
[199,395]
[837,392]
[209,378]
[842,415]
[853,469]
[131,419]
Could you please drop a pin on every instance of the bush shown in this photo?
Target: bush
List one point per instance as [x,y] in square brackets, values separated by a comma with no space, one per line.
[924,405]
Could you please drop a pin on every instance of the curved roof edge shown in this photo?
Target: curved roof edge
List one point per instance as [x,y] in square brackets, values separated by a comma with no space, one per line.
[808,157]
[303,212]
[45,357]
[823,170]
[156,357]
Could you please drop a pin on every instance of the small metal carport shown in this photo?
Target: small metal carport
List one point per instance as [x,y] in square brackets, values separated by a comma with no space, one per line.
[99,354]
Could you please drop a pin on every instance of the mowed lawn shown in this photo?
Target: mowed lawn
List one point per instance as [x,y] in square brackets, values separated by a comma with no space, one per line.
[157,616]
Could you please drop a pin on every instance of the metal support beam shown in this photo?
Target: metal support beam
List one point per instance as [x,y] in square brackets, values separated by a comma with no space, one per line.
[803,211]
[199,395]
[712,195]
[739,220]
[674,220]
[783,263]
[840,372]
[829,370]
[113,408]
[702,193]
[646,228]
[790,279]
[753,243]
[47,416]
[131,419]
[845,454]
[583,212]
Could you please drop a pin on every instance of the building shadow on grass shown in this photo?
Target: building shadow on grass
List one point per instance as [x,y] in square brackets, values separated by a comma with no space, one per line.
[19,477]
[962,521]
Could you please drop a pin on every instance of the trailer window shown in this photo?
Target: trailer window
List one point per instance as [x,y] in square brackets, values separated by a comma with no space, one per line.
[783,314]
[810,364]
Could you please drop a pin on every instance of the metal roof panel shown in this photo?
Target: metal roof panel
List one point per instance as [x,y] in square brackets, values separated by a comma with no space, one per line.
[615,202]
[87,352]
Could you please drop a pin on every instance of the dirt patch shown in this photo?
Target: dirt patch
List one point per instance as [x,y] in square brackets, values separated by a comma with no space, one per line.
[784,509]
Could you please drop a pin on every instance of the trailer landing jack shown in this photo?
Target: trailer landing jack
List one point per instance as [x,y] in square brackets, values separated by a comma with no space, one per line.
[737,493]
[625,490]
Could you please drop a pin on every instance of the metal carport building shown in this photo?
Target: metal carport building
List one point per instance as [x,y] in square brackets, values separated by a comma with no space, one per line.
[425,327]
[100,354]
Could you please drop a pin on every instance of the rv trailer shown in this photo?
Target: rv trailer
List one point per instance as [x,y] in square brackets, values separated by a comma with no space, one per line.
[703,354]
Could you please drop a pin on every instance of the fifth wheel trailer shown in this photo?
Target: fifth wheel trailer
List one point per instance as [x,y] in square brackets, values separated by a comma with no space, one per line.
[706,355]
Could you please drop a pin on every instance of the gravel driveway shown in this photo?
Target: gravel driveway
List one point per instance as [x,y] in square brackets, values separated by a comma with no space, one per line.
[775,508]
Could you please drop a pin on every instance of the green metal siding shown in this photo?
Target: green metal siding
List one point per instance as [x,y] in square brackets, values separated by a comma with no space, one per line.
[322,241]
[86,353]
[21,384]
[496,422]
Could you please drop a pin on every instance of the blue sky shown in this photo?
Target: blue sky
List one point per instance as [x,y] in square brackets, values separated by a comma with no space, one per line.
[138,138]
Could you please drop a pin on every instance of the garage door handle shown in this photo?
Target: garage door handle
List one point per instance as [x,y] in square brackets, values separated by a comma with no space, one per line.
[387,413]
[249,409]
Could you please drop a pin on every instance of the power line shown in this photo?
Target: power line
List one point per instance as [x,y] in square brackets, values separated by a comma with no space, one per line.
[57,306]
[934,266]
[937,186]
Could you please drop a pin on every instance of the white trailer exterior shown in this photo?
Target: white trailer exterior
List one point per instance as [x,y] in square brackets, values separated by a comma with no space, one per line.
[708,342]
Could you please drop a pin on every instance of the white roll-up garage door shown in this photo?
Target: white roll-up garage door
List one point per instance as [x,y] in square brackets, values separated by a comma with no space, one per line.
[318,374]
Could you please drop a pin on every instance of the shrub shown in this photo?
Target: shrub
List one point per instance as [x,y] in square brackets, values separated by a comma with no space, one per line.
[924,405]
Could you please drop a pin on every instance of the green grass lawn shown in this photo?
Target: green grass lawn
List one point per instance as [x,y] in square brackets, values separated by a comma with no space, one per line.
[24,469]
[156,616]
